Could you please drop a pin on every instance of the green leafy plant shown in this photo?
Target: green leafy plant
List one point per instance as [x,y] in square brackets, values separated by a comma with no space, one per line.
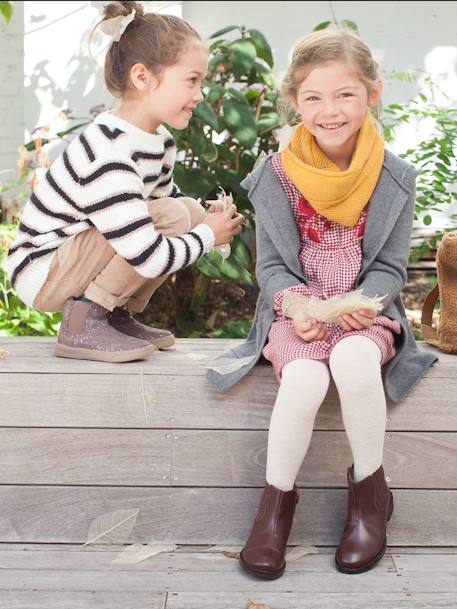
[434,156]
[6,10]
[16,319]
[234,124]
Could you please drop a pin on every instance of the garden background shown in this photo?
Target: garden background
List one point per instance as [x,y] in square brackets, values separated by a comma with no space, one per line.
[51,88]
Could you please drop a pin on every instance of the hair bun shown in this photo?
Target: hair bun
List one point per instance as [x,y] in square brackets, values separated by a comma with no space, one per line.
[122,9]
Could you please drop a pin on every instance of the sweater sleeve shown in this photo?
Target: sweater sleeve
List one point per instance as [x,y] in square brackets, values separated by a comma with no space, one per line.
[118,210]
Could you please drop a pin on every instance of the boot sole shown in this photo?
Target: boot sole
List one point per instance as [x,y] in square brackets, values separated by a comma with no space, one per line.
[377,558]
[262,574]
[104,356]
[163,343]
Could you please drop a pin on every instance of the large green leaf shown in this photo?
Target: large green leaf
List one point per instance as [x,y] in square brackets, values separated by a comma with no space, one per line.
[268,121]
[240,122]
[229,179]
[347,23]
[205,112]
[322,26]
[241,252]
[243,55]
[210,153]
[237,94]
[195,182]
[215,93]
[6,9]
[224,30]
[262,47]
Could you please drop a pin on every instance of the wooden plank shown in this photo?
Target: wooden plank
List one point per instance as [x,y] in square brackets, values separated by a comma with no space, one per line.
[90,456]
[238,458]
[75,558]
[170,401]
[425,562]
[293,600]
[82,599]
[332,582]
[189,356]
[59,514]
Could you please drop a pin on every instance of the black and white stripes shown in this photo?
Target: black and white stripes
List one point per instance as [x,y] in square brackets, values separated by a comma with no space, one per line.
[103,180]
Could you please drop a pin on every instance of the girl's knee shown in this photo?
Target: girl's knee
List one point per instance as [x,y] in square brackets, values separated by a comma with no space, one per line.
[170,216]
[306,376]
[356,360]
[197,212]
[355,351]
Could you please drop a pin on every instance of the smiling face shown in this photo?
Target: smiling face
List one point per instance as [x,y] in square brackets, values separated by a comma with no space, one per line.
[173,97]
[333,103]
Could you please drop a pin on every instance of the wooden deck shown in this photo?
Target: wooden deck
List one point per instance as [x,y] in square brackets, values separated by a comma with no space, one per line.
[81,440]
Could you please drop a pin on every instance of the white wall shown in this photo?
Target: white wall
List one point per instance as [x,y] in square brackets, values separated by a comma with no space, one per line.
[11,90]
[402,34]
[58,72]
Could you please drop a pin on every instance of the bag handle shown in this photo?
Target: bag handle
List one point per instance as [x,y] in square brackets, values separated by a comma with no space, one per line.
[429,333]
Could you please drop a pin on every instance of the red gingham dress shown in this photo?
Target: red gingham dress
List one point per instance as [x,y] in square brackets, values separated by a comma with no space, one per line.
[330,257]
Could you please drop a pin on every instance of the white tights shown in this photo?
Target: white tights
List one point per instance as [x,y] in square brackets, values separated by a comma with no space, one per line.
[355,364]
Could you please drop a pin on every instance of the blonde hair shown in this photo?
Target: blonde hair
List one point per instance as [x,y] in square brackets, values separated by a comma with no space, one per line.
[325,46]
[157,41]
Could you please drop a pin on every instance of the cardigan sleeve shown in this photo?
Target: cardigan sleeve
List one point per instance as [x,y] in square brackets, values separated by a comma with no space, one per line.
[388,272]
[273,276]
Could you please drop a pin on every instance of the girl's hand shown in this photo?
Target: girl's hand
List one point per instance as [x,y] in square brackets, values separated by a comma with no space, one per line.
[311,330]
[358,320]
[225,224]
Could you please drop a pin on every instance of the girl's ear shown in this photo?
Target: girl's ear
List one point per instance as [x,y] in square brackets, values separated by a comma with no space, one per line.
[141,78]
[374,98]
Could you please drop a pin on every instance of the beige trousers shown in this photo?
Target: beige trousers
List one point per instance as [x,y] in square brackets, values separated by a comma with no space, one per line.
[87,263]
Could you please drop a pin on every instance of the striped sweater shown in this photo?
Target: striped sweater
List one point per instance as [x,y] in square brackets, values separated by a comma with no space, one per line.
[102,180]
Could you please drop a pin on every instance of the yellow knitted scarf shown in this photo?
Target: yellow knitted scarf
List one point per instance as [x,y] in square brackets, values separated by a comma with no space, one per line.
[333,193]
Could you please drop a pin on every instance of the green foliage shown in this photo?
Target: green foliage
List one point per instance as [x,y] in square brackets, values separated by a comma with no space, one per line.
[16,319]
[234,329]
[6,10]
[235,122]
[227,133]
[344,23]
[434,156]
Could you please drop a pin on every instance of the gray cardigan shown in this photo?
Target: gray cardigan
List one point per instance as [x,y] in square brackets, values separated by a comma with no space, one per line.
[386,246]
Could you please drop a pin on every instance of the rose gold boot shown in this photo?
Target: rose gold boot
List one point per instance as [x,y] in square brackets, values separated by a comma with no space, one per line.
[86,334]
[122,320]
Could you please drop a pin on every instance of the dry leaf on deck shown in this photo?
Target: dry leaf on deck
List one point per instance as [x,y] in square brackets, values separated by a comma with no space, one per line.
[112,528]
[256,606]
[139,552]
[235,555]
[300,551]
[3,353]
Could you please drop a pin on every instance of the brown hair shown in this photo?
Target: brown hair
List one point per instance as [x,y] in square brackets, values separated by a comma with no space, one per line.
[324,46]
[157,41]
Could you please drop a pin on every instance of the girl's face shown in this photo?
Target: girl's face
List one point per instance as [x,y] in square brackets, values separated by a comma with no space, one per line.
[333,104]
[172,98]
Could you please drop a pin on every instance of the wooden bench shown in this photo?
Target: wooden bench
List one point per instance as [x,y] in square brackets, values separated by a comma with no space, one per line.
[81,439]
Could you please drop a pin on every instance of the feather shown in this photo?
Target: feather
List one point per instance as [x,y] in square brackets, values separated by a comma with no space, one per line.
[331,309]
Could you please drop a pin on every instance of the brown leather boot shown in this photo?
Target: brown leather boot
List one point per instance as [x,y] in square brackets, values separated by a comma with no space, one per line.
[263,555]
[86,334]
[370,506]
[121,319]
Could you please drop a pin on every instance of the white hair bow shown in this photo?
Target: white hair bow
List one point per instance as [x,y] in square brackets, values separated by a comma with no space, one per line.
[115,27]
